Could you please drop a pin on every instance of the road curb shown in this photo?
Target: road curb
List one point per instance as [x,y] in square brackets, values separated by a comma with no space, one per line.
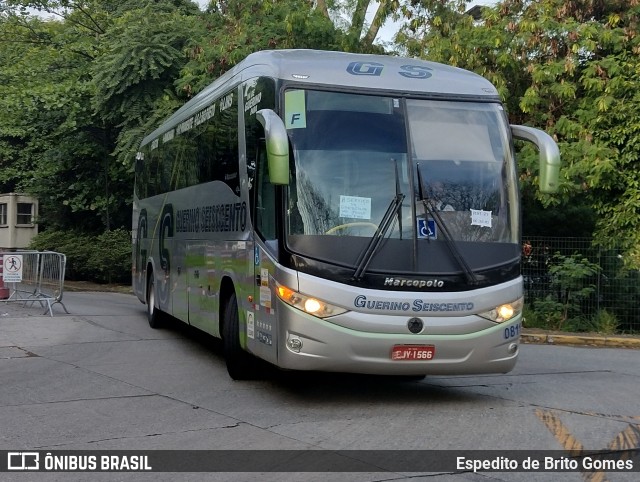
[580,340]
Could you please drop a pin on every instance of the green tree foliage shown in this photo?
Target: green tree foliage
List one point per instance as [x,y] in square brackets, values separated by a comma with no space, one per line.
[572,283]
[49,140]
[351,16]
[74,244]
[110,259]
[78,90]
[235,28]
[81,86]
[103,258]
[133,79]
[571,68]
[43,122]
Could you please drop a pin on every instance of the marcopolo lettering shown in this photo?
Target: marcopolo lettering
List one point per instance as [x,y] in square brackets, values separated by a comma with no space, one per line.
[361,301]
[212,219]
[414,283]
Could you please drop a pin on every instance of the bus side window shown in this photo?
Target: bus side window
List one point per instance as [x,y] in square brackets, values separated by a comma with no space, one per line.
[259,93]
[265,213]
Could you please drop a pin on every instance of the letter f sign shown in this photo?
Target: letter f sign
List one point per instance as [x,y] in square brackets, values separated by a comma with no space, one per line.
[295,109]
[296,120]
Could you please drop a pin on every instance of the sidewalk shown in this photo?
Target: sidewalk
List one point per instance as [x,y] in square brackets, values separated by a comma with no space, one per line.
[542,337]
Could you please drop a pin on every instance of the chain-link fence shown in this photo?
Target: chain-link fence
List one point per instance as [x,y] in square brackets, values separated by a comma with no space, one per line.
[572,284]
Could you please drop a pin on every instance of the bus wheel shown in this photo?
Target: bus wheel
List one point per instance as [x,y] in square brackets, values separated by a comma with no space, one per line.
[154,315]
[240,364]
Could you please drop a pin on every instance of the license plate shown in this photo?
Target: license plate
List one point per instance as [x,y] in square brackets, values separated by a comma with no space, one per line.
[413,352]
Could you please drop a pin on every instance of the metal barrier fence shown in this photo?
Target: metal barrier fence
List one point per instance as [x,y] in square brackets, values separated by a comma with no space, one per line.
[586,281]
[34,277]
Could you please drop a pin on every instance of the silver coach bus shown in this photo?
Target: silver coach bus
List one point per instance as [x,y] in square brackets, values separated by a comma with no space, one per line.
[338,212]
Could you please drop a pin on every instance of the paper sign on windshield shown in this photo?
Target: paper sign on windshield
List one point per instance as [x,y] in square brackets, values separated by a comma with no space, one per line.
[480,218]
[355,207]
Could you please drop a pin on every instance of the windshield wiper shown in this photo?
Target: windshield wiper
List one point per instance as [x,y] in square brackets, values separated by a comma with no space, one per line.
[398,194]
[453,249]
[394,209]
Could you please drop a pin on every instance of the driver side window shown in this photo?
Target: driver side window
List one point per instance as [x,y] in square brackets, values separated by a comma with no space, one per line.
[265,196]
[259,93]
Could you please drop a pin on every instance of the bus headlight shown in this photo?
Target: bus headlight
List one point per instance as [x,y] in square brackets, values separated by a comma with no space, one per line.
[310,305]
[505,312]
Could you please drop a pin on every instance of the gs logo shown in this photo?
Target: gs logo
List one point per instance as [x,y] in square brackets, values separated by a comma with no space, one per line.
[375,69]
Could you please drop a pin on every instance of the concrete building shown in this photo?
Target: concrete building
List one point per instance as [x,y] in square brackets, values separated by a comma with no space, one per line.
[18,214]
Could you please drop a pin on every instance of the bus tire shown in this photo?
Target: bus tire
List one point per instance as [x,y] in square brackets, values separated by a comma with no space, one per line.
[240,364]
[154,315]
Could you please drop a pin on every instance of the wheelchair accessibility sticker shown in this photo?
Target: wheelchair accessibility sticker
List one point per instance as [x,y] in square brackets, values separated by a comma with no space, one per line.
[427,229]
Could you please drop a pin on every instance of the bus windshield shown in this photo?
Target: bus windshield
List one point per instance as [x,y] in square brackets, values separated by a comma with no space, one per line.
[353,155]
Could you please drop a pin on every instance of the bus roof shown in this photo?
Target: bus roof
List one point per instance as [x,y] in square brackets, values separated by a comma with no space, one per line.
[343,70]
[371,71]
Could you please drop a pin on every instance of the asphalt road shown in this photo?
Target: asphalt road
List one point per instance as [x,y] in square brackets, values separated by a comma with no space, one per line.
[100,378]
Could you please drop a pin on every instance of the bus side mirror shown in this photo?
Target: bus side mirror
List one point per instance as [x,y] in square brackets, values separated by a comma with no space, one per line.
[549,155]
[277,144]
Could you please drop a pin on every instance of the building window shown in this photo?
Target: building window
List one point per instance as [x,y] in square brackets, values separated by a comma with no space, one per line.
[3,214]
[25,213]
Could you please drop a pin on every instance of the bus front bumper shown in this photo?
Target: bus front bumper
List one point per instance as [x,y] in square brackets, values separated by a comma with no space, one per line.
[307,343]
